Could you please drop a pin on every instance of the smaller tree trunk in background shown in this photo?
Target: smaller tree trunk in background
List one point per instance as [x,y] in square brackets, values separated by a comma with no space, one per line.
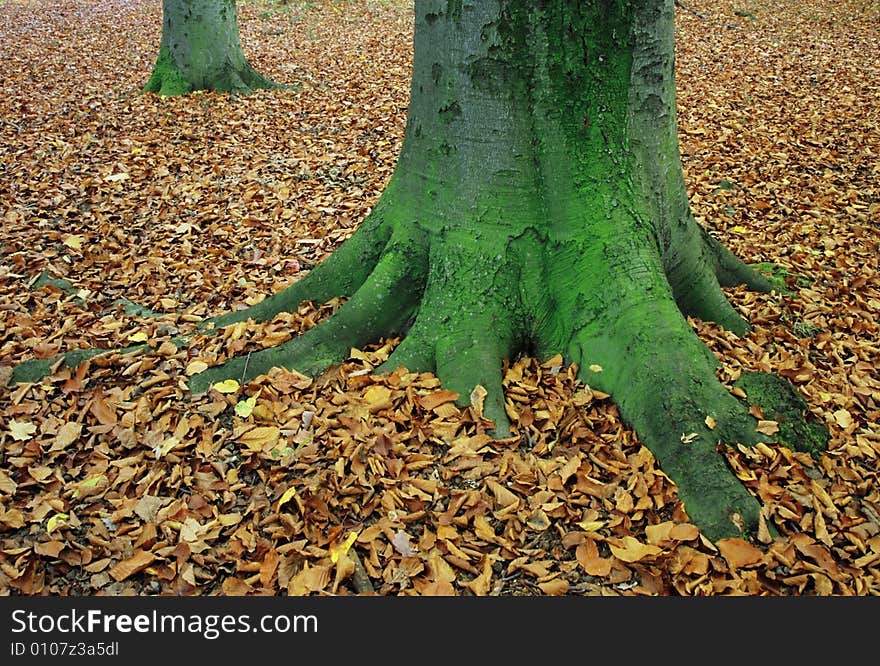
[201,50]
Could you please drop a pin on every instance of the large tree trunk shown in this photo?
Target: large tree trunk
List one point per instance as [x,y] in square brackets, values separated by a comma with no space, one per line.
[539,206]
[201,50]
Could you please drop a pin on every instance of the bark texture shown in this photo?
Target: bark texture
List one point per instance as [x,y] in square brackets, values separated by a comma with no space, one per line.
[539,207]
[201,50]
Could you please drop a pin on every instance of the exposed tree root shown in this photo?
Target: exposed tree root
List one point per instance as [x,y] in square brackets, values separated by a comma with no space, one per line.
[681,5]
[463,309]
[381,306]
[647,356]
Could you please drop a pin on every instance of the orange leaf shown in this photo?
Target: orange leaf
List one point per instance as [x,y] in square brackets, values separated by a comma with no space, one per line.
[633,550]
[739,553]
[684,532]
[587,555]
[437,398]
[555,587]
[269,566]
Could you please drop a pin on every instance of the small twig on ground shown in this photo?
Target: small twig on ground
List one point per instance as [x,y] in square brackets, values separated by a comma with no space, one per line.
[246,361]
[681,5]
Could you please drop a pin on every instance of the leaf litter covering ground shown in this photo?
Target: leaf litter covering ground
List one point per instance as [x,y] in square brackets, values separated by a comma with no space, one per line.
[115,480]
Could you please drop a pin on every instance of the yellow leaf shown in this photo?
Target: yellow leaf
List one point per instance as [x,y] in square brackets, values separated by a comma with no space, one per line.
[55,522]
[227,386]
[739,230]
[767,427]
[244,407]
[74,242]
[288,494]
[843,418]
[596,368]
[342,548]
[633,550]
[140,336]
[711,423]
[377,398]
[263,413]
[195,367]
[262,438]
[90,483]
[478,398]
[21,431]
[166,446]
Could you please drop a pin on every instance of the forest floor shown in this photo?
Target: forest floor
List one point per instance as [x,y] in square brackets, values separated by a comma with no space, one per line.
[129,218]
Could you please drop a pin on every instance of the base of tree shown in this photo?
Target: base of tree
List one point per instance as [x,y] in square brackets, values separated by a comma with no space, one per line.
[168,80]
[463,308]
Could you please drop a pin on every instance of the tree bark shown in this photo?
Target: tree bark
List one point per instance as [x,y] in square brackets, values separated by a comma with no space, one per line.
[201,50]
[539,207]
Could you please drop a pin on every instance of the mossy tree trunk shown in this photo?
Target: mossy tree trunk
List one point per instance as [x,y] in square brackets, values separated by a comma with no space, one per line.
[539,206]
[201,50]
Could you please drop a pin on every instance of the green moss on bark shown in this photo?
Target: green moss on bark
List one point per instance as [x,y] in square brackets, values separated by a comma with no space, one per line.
[779,401]
[167,79]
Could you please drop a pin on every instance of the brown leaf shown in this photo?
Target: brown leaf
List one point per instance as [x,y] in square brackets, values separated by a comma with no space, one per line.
[482,584]
[538,521]
[310,579]
[132,565]
[684,532]
[587,555]
[436,398]
[235,587]
[478,398]
[504,498]
[102,410]
[739,553]
[269,567]
[66,435]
